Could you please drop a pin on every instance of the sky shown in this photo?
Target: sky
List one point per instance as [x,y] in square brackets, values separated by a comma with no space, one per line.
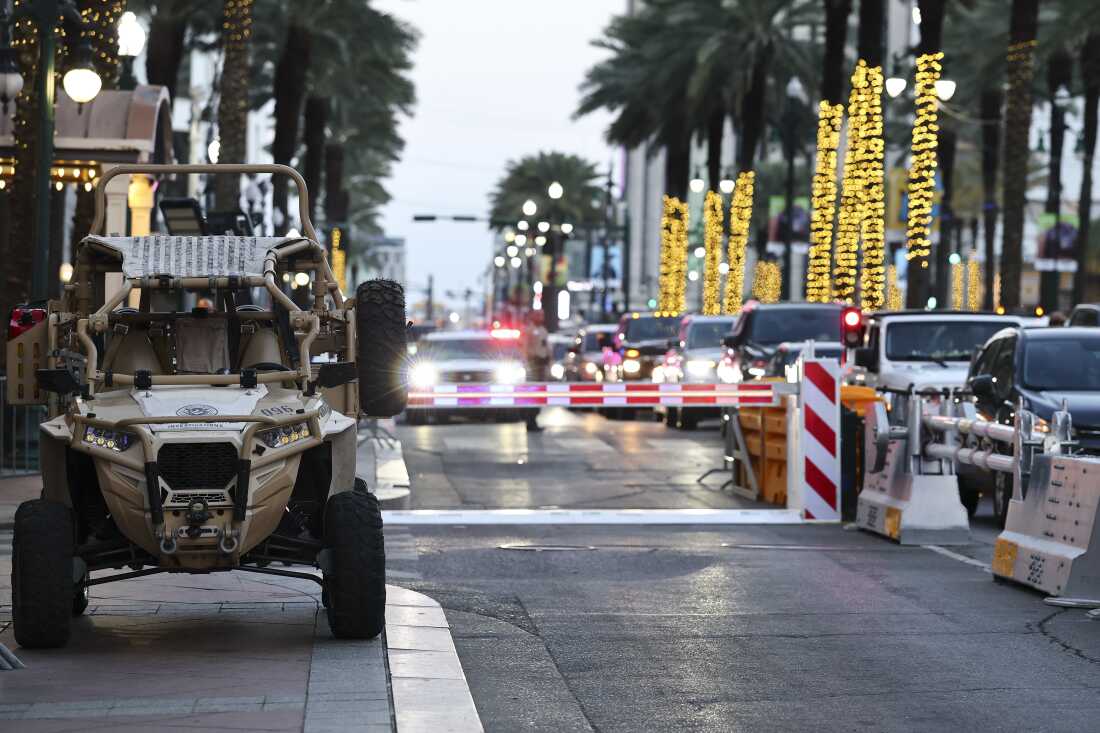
[495,80]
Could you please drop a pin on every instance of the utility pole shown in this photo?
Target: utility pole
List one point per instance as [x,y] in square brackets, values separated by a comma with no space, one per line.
[429,307]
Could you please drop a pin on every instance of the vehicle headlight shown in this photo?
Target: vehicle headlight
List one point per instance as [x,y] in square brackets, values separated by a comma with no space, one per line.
[510,374]
[700,367]
[590,367]
[115,440]
[285,435]
[727,373]
[557,371]
[658,374]
[423,375]
[755,371]
[1040,426]
[632,366]
[632,352]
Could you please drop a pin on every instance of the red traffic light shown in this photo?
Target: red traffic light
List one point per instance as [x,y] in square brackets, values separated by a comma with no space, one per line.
[851,327]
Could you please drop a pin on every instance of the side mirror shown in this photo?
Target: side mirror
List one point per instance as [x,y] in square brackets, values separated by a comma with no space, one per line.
[981,385]
[866,357]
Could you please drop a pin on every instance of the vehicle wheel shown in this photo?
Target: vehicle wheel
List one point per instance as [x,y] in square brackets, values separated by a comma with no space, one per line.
[670,417]
[381,350]
[970,501]
[42,574]
[80,596]
[355,586]
[688,420]
[1002,495]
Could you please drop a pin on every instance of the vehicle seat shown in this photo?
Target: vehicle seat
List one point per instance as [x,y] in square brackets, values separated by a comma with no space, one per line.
[259,341]
[130,349]
[202,346]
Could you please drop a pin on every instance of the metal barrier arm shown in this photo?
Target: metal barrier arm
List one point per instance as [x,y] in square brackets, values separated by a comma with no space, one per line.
[971,426]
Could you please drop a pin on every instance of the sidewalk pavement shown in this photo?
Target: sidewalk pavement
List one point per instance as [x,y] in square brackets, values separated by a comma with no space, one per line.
[231,651]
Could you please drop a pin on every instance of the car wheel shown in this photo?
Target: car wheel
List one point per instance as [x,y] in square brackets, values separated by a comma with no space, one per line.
[42,574]
[354,590]
[381,349]
[1002,495]
[688,420]
[80,596]
[670,417]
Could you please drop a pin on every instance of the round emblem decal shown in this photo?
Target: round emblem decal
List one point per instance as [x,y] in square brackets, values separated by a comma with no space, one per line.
[197,411]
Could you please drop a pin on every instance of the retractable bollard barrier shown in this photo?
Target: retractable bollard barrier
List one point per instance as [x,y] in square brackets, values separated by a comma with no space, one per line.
[908,496]
[1051,539]
[571,394]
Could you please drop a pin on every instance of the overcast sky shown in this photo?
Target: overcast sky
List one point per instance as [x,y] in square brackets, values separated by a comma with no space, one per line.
[495,80]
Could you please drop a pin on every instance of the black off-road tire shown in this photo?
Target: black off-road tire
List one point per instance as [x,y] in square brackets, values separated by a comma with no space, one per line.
[688,420]
[355,584]
[42,574]
[381,349]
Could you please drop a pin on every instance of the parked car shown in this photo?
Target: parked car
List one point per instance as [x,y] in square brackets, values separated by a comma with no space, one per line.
[642,341]
[693,357]
[1085,314]
[762,327]
[1038,369]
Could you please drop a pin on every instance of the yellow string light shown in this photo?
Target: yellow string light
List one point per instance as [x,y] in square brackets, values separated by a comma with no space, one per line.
[873,273]
[974,285]
[958,294]
[852,198]
[766,282]
[673,267]
[819,287]
[712,242]
[922,169]
[665,265]
[740,221]
[893,292]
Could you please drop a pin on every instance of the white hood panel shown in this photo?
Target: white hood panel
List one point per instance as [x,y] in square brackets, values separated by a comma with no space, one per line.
[205,402]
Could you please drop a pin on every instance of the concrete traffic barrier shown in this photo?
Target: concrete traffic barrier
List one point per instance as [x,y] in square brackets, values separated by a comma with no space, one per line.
[907,496]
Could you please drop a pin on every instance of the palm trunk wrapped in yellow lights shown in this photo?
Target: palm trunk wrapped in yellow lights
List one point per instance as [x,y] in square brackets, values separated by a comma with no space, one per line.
[740,220]
[712,242]
[872,288]
[922,168]
[894,300]
[673,267]
[974,285]
[766,282]
[850,219]
[819,288]
[958,280]
[665,267]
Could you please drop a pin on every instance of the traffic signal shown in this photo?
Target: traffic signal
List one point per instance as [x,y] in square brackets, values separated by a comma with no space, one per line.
[851,327]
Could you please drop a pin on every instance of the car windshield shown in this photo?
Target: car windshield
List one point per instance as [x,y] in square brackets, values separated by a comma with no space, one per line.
[1070,364]
[945,340]
[708,334]
[650,328]
[771,327]
[471,348]
[828,352]
[592,340]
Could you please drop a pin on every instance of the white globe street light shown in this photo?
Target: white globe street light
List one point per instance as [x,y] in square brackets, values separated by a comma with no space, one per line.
[512,250]
[213,150]
[529,208]
[566,228]
[499,261]
[540,240]
[895,85]
[516,262]
[522,225]
[81,82]
[697,184]
[726,186]
[131,36]
[520,240]
[555,191]
[509,235]
[693,275]
[945,89]
[544,226]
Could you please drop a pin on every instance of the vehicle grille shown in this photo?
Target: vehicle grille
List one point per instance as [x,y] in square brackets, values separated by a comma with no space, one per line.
[474,376]
[197,465]
[186,498]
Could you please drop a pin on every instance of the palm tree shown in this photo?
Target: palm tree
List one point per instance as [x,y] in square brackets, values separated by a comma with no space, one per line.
[1059,75]
[830,113]
[921,175]
[529,177]
[236,38]
[174,26]
[1090,75]
[1022,33]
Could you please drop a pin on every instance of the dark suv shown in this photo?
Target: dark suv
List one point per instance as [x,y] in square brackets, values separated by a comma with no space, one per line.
[1042,367]
[642,340]
[763,327]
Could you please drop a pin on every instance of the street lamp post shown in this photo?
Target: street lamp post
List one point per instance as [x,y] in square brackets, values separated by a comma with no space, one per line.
[81,83]
[131,41]
[795,93]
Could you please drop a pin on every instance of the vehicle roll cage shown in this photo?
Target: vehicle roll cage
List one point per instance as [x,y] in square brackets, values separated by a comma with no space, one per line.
[302,254]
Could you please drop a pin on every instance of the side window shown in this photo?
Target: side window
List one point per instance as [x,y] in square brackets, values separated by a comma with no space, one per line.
[983,363]
[1003,366]
[1085,317]
[872,338]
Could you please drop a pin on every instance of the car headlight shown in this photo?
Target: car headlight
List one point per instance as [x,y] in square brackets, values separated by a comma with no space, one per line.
[510,374]
[632,366]
[557,371]
[285,435]
[115,440]
[728,373]
[590,367]
[700,367]
[755,371]
[423,375]
[658,374]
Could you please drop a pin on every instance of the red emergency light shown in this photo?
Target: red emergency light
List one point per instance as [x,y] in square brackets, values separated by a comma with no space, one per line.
[23,319]
[505,333]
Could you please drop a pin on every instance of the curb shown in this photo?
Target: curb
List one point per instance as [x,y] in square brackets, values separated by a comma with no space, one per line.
[428,685]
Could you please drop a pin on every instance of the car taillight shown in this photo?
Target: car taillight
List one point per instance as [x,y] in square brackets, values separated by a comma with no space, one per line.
[24,319]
